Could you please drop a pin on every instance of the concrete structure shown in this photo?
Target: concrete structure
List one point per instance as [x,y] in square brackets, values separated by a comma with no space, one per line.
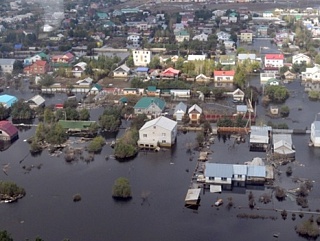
[141,57]
[311,74]
[246,36]
[274,60]
[301,58]
[161,131]
[7,65]
[38,67]
[78,69]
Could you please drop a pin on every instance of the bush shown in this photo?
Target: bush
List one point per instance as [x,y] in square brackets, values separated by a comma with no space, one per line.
[96,144]
[302,201]
[308,229]
[284,111]
[289,171]
[280,193]
[284,214]
[76,198]
[121,188]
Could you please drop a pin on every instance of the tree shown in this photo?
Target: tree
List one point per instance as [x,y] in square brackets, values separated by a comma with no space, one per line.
[130,62]
[240,77]
[121,188]
[200,139]
[308,229]
[21,110]
[5,236]
[84,115]
[56,135]
[154,63]
[47,80]
[109,123]
[4,112]
[284,111]
[277,93]
[48,115]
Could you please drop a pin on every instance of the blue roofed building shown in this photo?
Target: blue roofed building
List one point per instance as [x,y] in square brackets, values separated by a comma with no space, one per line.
[219,174]
[7,100]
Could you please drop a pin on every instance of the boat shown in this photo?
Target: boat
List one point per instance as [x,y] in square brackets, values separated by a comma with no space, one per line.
[276,235]
[218,202]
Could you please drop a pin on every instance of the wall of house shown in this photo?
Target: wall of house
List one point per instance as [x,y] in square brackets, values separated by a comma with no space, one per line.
[4,136]
[155,135]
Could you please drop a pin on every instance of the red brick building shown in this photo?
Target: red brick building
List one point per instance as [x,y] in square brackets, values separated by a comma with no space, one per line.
[38,67]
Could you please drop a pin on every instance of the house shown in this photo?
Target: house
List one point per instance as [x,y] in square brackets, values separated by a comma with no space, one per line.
[8,132]
[36,101]
[246,36]
[262,31]
[219,174]
[247,57]
[161,131]
[282,146]
[315,133]
[141,57]
[256,174]
[274,60]
[264,77]
[142,71]
[241,109]
[78,69]
[301,58]
[85,82]
[150,106]
[38,67]
[6,65]
[288,75]
[229,59]
[194,57]
[223,36]
[180,93]
[311,74]
[179,111]
[153,91]
[273,81]
[170,73]
[194,113]
[201,37]
[201,78]
[238,95]
[259,138]
[182,35]
[229,44]
[239,175]
[96,88]
[7,100]
[63,59]
[223,78]
[122,71]
[267,14]
[130,91]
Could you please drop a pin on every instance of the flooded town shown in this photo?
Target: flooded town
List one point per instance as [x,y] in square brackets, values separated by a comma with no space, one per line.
[159,120]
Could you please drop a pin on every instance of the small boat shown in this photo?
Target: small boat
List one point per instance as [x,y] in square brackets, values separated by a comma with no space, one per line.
[218,202]
[276,235]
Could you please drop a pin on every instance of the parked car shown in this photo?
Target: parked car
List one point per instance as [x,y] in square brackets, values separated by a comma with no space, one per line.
[218,202]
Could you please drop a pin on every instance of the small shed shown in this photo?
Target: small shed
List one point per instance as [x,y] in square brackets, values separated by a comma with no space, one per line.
[36,101]
[259,138]
[193,196]
[274,110]
[282,146]
[179,111]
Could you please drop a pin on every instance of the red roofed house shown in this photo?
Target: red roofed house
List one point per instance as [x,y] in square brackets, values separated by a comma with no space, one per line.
[65,58]
[8,132]
[273,60]
[223,78]
[38,67]
[170,73]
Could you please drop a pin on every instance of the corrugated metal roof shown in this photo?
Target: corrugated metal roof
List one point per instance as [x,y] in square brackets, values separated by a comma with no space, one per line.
[256,171]
[9,128]
[242,108]
[239,169]
[38,100]
[145,102]
[196,108]
[282,137]
[162,122]
[180,107]
[8,100]
[218,170]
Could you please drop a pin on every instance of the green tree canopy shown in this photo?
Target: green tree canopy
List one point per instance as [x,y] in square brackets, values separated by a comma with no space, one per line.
[121,188]
[277,93]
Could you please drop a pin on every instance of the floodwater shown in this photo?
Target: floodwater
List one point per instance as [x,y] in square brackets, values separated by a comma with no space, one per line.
[48,210]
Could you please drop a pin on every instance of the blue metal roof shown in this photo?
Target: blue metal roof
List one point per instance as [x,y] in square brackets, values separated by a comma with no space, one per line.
[142,69]
[8,100]
[218,170]
[256,171]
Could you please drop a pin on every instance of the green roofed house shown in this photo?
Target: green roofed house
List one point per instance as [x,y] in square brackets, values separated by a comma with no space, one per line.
[96,88]
[150,106]
[76,127]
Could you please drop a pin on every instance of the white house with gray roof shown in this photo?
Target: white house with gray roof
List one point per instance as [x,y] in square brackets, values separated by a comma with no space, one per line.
[259,138]
[179,111]
[7,65]
[36,101]
[161,131]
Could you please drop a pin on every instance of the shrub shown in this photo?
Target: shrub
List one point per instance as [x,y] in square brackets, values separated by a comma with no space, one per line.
[308,229]
[96,144]
[121,188]
[76,198]
[284,214]
[280,193]
[289,171]
[302,201]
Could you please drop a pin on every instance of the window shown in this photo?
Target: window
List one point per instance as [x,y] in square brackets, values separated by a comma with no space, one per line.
[223,179]
[154,127]
[239,176]
[164,141]
[145,135]
[163,134]
[211,178]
